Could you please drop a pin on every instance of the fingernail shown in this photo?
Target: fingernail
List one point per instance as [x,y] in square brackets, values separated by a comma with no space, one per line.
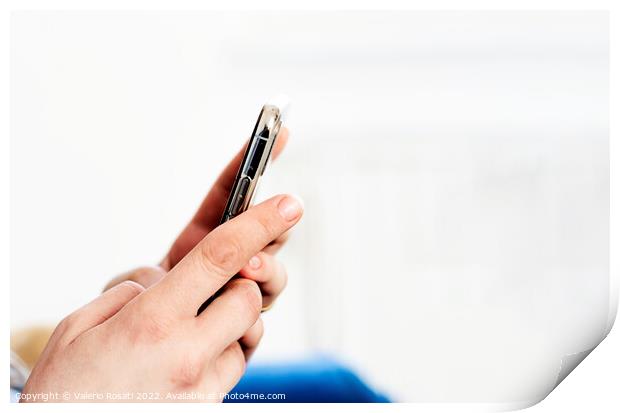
[254,262]
[290,208]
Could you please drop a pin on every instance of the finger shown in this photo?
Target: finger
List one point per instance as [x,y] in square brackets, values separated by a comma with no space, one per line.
[230,315]
[269,273]
[145,276]
[223,252]
[230,366]
[210,211]
[275,245]
[251,338]
[99,310]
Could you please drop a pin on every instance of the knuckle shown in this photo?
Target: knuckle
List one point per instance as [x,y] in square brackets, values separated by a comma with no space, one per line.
[220,256]
[65,325]
[149,325]
[239,359]
[249,296]
[69,321]
[260,329]
[64,332]
[155,328]
[188,371]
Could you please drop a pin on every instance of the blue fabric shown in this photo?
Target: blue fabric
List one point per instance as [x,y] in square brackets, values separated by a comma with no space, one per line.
[315,380]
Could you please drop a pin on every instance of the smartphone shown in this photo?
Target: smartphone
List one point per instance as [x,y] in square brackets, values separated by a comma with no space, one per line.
[254,163]
[255,159]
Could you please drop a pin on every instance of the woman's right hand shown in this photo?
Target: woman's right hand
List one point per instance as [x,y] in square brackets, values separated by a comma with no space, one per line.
[264,267]
[149,345]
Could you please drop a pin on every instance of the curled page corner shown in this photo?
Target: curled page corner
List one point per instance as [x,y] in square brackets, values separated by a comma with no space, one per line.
[569,362]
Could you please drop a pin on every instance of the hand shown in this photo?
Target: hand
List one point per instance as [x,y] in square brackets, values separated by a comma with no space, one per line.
[150,342]
[263,268]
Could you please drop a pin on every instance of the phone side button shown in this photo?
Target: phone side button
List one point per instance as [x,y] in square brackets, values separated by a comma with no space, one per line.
[242,190]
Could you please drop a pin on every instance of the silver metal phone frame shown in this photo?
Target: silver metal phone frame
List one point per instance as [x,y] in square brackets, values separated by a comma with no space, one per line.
[267,128]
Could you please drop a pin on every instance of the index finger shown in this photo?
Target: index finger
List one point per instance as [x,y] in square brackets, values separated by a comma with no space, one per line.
[210,211]
[223,252]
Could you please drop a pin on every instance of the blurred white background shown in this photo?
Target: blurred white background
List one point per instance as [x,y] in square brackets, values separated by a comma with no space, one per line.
[454,168]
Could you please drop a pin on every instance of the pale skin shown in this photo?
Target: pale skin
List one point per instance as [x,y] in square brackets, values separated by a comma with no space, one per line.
[142,335]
